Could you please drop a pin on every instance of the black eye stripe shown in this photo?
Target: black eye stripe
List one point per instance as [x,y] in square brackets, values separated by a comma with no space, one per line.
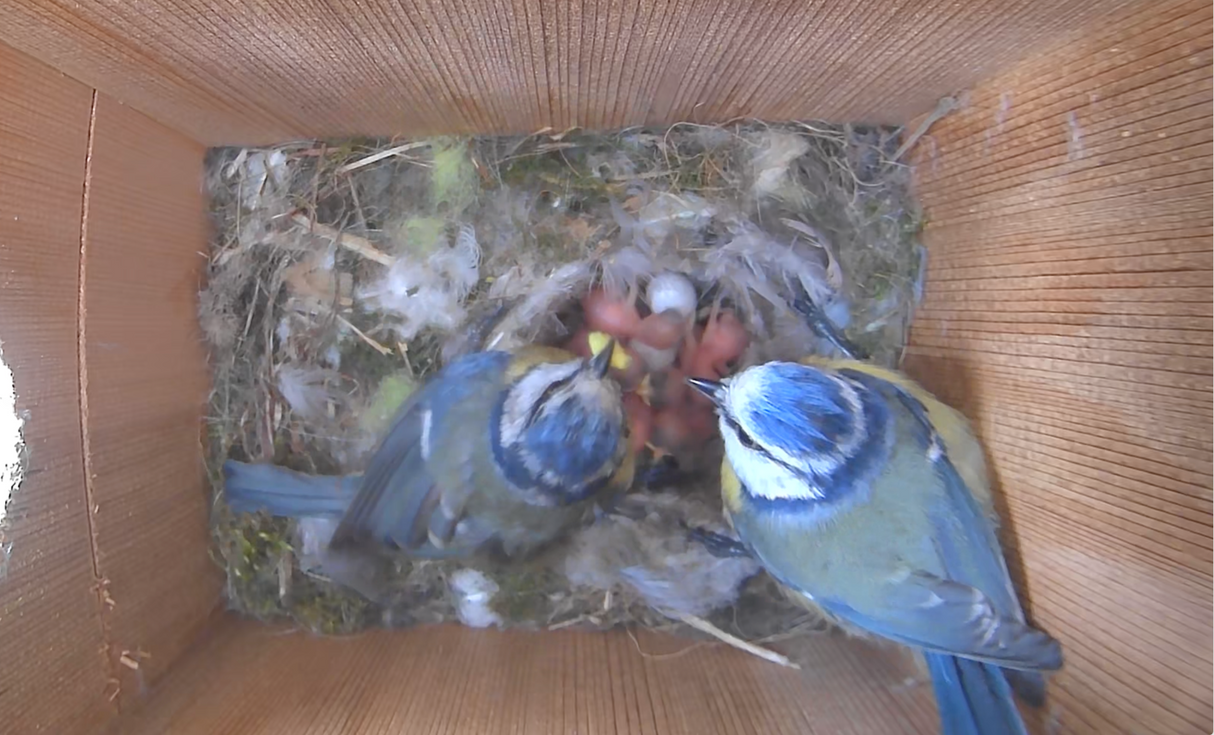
[743,437]
[545,396]
[745,440]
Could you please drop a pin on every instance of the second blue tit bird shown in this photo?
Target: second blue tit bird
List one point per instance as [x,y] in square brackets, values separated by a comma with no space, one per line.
[498,451]
[868,498]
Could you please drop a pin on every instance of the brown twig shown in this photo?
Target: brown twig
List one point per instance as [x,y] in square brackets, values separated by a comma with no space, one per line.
[381,155]
[375,345]
[353,243]
[943,107]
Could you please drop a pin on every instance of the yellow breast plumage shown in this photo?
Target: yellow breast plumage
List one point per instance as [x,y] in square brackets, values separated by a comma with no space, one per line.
[526,358]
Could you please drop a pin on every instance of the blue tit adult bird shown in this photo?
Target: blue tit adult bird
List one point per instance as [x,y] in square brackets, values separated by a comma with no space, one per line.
[868,498]
[499,451]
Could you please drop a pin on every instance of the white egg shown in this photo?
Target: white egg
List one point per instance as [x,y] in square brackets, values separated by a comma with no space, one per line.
[671,291]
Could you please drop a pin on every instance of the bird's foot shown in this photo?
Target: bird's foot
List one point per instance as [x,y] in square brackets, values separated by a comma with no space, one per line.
[718,544]
[824,328]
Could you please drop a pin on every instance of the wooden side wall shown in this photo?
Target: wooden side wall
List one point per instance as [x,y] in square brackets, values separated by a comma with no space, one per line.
[269,70]
[1069,311]
[101,227]
[448,680]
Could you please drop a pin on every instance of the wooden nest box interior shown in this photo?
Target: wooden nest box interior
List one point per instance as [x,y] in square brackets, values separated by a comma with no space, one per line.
[1067,312]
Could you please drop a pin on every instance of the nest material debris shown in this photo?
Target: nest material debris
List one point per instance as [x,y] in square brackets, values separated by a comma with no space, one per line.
[345,272]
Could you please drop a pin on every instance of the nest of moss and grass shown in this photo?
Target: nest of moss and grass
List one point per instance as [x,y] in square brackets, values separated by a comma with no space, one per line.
[344,273]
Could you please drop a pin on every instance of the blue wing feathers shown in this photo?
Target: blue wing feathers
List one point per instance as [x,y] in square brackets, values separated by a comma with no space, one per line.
[979,538]
[974,697]
[397,491]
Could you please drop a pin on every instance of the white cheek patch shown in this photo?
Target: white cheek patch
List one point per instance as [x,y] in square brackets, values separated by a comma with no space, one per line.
[750,388]
[764,477]
[803,462]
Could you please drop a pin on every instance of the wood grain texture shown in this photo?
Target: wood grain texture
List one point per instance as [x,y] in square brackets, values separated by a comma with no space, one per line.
[269,70]
[146,385]
[1068,311]
[53,676]
[444,680]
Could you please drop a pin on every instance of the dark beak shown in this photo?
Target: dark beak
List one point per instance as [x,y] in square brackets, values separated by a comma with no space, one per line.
[601,363]
[710,388]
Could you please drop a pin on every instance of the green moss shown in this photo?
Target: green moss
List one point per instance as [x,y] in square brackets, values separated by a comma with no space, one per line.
[453,180]
[256,548]
[261,540]
[366,364]
[387,399]
[548,244]
[532,169]
[338,153]
[689,176]
[253,547]
[425,353]
[422,235]
[329,610]
[344,151]
[877,286]
[525,596]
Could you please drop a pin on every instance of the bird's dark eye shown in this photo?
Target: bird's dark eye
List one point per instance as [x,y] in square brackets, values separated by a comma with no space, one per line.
[743,438]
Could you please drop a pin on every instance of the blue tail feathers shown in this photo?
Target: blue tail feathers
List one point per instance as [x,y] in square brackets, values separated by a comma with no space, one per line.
[282,492]
[973,698]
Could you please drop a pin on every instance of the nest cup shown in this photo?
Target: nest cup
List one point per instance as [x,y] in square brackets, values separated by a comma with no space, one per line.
[344,273]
